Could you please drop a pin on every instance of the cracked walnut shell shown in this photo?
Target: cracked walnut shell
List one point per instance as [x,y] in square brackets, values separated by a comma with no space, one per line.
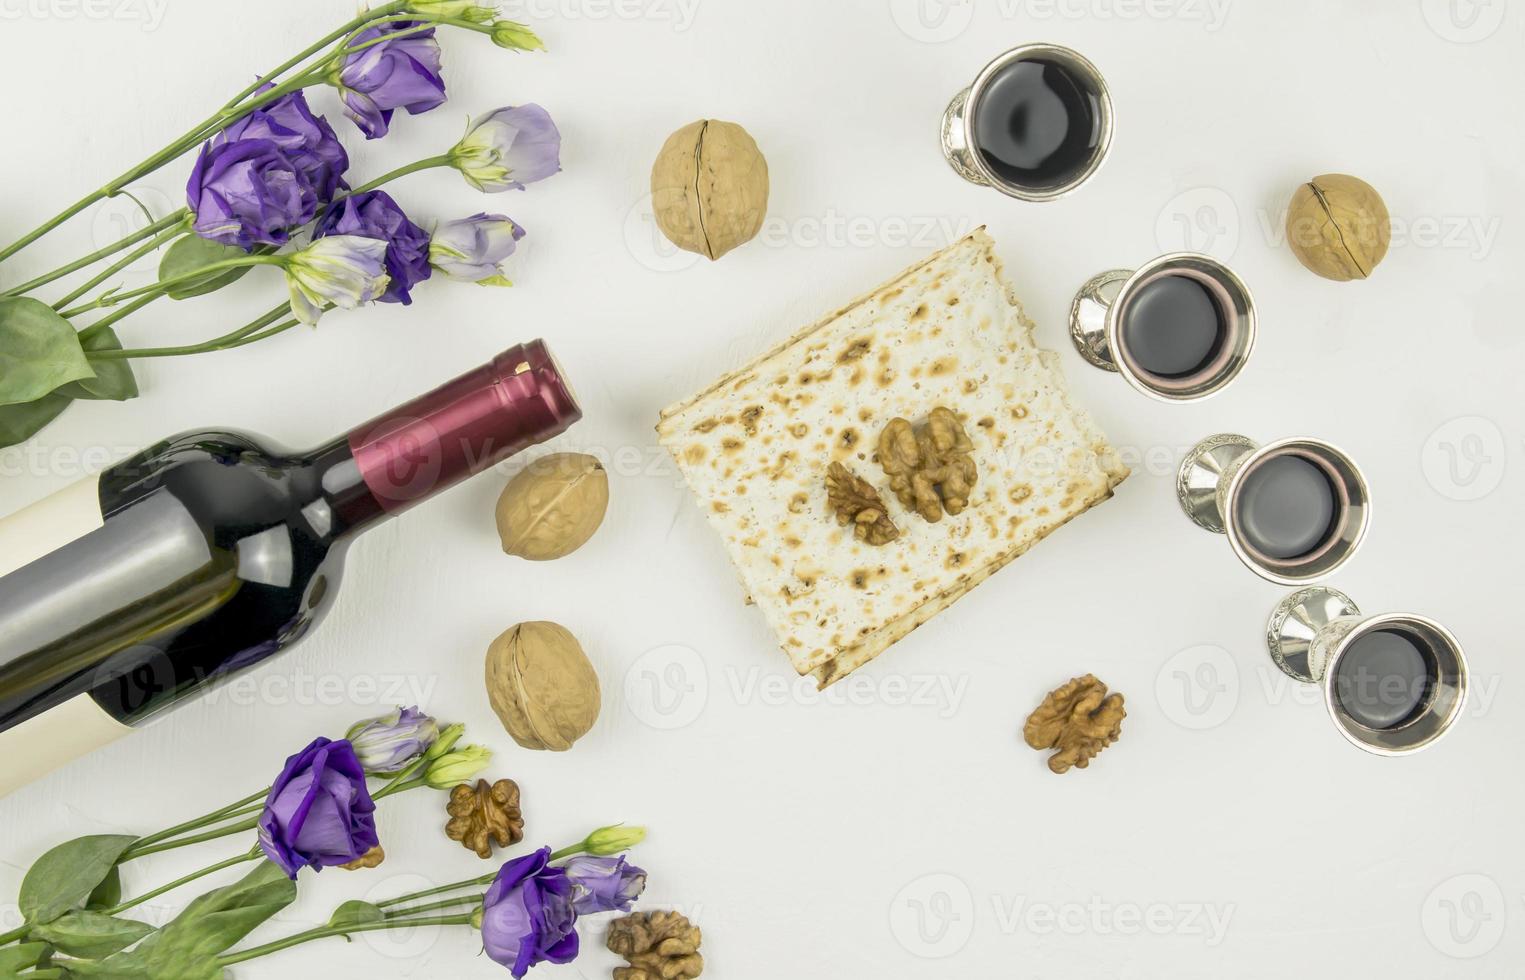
[1338,227]
[856,502]
[1079,720]
[709,188]
[485,814]
[657,945]
[542,686]
[553,506]
[930,471]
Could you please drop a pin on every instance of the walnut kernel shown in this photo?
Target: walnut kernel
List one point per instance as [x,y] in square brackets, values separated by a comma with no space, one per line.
[657,945]
[931,471]
[1079,719]
[485,814]
[857,503]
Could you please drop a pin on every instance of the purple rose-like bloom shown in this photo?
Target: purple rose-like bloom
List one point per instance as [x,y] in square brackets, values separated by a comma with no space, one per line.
[375,215]
[396,73]
[604,884]
[306,138]
[527,914]
[509,148]
[319,812]
[249,192]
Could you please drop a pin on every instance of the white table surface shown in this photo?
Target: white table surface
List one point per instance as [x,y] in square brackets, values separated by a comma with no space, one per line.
[898,827]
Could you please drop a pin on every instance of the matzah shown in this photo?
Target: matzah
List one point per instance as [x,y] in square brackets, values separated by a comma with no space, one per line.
[754,448]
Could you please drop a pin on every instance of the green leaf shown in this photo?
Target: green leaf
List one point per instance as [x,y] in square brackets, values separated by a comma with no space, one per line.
[108,894]
[194,252]
[18,423]
[356,913]
[217,921]
[91,934]
[63,878]
[113,377]
[14,959]
[39,350]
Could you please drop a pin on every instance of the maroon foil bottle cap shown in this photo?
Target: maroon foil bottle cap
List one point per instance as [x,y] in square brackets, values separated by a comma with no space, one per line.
[464,426]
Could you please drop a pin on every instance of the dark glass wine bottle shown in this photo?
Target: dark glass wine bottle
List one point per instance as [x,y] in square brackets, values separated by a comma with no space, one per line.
[211,552]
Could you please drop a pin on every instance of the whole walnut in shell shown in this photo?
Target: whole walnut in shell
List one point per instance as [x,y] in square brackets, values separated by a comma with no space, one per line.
[553,506]
[1338,227]
[542,686]
[709,187]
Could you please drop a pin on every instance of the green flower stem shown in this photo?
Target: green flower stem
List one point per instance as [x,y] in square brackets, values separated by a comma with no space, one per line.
[324,932]
[428,163]
[441,890]
[566,852]
[449,903]
[176,220]
[119,314]
[398,786]
[202,821]
[250,855]
[165,285]
[134,852]
[217,343]
[118,266]
[366,18]
[9,937]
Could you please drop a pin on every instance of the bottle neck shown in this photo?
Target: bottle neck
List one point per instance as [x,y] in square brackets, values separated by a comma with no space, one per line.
[431,443]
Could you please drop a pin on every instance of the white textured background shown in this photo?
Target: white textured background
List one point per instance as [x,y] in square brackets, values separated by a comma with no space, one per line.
[898,828]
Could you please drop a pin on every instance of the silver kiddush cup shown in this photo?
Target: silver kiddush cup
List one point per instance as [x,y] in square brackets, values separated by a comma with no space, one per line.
[1065,110]
[1102,309]
[1294,511]
[1394,683]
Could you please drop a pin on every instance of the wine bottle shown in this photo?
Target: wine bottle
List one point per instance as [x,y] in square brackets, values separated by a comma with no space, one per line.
[211,552]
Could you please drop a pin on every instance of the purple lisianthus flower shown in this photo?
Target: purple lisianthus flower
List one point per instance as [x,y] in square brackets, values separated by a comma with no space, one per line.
[508,148]
[389,744]
[604,884]
[375,215]
[396,73]
[306,138]
[249,192]
[527,914]
[472,249]
[319,812]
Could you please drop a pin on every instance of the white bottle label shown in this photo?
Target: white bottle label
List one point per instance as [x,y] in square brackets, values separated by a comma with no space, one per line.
[49,524]
[53,739]
[63,733]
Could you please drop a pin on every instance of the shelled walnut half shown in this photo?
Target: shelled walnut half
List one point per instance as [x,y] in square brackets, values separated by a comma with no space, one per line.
[930,471]
[657,945]
[856,502]
[1079,719]
[485,814]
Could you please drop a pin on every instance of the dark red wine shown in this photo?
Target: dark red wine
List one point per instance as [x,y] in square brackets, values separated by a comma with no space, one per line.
[1173,327]
[1385,678]
[211,552]
[1287,507]
[1038,124]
